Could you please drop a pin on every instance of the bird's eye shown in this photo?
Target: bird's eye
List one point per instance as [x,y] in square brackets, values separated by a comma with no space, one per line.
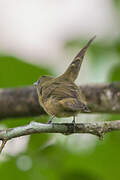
[38,81]
[35,83]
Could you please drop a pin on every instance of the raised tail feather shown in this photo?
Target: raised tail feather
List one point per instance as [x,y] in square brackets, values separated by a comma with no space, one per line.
[74,68]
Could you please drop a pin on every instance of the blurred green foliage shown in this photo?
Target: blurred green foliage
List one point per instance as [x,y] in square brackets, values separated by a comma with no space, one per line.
[15,72]
[46,159]
[117,4]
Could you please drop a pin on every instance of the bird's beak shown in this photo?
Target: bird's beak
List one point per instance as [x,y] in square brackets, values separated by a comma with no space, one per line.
[35,83]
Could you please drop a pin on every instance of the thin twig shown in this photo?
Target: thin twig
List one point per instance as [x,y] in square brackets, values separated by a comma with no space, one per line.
[2,145]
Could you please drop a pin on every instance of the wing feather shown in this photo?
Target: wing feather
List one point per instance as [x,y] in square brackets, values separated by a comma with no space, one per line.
[72,104]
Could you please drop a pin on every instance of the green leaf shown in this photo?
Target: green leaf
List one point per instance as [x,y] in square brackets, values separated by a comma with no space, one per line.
[15,72]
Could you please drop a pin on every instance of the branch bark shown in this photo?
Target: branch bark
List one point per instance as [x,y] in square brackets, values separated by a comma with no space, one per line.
[95,128]
[23,102]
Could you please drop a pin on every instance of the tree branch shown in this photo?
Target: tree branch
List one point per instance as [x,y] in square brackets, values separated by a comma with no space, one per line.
[23,102]
[95,128]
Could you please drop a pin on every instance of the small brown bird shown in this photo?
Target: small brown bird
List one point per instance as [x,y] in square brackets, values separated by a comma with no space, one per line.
[61,97]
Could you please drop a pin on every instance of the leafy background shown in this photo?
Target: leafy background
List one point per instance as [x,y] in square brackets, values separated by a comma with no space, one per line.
[46,156]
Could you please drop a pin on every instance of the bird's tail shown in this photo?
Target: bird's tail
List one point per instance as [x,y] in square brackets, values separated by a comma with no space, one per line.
[74,68]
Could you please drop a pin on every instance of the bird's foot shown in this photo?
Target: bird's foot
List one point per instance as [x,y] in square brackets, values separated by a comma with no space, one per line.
[50,120]
[73,122]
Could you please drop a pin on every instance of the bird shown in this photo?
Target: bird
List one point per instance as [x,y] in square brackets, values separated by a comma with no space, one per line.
[60,96]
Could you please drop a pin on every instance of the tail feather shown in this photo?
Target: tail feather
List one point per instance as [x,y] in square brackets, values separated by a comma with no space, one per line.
[74,68]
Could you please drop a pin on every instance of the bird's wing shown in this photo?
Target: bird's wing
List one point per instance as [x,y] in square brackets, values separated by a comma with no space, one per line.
[65,91]
[67,94]
[72,104]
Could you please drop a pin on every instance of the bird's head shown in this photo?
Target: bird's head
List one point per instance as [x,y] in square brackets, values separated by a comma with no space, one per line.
[42,80]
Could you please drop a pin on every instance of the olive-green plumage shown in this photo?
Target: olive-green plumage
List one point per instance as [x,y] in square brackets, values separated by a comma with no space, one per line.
[61,97]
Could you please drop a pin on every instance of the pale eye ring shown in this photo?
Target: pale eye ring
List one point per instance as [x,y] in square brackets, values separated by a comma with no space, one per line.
[36,83]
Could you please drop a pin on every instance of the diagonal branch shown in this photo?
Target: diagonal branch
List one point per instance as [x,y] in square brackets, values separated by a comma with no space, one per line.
[95,128]
[23,102]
